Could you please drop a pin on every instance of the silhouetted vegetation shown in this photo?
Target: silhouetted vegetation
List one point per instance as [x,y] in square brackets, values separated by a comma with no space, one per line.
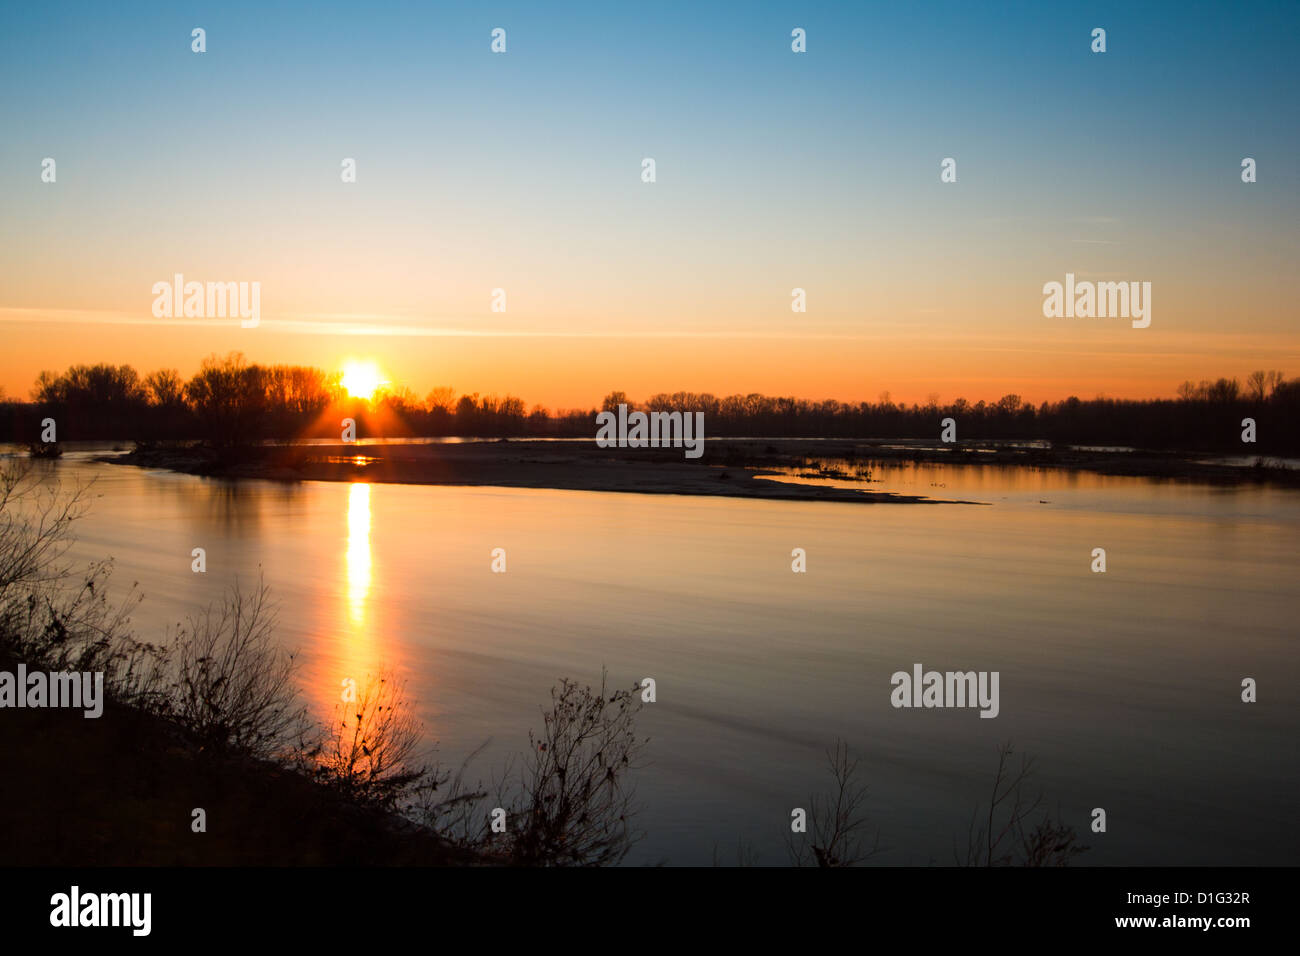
[369,751]
[572,804]
[230,686]
[836,823]
[231,403]
[1014,829]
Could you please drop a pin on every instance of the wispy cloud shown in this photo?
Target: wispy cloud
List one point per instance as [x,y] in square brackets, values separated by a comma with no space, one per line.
[384,326]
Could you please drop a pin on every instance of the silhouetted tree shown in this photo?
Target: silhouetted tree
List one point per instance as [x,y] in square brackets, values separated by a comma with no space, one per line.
[1014,829]
[229,397]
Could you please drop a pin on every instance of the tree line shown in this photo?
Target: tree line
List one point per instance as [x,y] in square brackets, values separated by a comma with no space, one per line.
[231,402]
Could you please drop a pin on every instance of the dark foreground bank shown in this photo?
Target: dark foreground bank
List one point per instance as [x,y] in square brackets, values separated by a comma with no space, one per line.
[122,790]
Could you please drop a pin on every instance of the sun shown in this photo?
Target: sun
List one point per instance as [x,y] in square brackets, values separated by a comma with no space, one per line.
[361,379]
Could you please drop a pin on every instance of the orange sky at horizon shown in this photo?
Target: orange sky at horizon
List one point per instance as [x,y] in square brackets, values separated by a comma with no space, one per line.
[1046,360]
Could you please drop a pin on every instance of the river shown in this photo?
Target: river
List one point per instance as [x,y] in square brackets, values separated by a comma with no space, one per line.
[1124,685]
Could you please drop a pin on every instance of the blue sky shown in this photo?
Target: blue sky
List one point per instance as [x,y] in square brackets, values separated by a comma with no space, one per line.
[774,169]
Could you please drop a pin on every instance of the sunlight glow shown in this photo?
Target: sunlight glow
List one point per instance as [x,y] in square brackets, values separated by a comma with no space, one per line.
[361,379]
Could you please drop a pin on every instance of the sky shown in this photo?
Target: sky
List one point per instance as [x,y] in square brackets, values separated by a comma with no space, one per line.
[775,170]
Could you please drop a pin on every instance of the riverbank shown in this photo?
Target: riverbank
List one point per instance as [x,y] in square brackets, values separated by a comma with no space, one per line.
[728,469]
[122,790]
[773,469]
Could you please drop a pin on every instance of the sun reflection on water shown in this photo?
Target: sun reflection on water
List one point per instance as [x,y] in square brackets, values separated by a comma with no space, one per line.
[358,558]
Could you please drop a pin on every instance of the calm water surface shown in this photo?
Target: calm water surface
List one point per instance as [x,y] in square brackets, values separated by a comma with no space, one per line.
[1125,686]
